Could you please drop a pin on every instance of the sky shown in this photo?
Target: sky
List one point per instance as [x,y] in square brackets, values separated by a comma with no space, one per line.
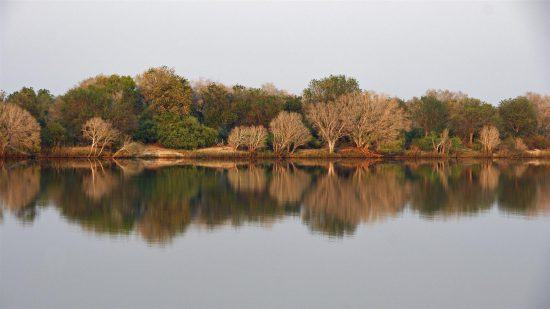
[490,50]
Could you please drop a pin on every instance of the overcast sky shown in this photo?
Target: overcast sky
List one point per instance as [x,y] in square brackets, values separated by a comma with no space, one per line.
[491,50]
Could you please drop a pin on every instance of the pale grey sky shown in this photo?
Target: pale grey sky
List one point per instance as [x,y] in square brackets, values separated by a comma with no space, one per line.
[491,50]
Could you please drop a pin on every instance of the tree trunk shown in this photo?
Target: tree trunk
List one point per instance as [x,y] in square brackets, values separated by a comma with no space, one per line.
[331,147]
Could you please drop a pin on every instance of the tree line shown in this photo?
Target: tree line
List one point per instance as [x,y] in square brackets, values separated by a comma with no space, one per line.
[161,107]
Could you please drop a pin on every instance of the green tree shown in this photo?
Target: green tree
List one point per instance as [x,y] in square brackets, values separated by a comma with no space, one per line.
[329,88]
[146,131]
[216,107]
[114,98]
[469,115]
[183,132]
[165,91]
[518,116]
[53,134]
[36,103]
[429,114]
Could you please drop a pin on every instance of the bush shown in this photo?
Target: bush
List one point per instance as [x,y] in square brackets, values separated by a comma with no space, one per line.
[183,132]
[537,142]
[146,131]
[425,143]
[392,147]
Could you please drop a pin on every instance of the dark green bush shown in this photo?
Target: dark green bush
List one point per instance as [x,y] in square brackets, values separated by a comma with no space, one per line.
[183,132]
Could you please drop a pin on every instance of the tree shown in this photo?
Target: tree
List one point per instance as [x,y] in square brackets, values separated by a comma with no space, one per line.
[100,133]
[443,144]
[429,113]
[113,98]
[289,132]
[373,118]
[252,137]
[469,115]
[165,91]
[215,105]
[19,131]
[541,104]
[489,138]
[330,121]
[183,132]
[53,134]
[445,95]
[518,116]
[329,88]
[36,103]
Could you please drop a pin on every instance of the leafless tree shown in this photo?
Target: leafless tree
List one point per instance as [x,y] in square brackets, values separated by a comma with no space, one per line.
[542,106]
[253,138]
[100,133]
[489,138]
[373,118]
[19,131]
[329,119]
[289,132]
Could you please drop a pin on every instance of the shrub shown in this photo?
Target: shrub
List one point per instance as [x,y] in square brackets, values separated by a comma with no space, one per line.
[392,147]
[537,142]
[425,143]
[183,132]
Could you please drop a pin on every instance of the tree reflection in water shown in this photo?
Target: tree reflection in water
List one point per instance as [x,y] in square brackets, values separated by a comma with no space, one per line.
[159,200]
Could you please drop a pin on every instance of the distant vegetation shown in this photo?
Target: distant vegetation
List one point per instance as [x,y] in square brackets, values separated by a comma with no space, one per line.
[162,108]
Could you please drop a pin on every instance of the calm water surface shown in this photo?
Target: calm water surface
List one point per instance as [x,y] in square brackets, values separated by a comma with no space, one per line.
[305,234]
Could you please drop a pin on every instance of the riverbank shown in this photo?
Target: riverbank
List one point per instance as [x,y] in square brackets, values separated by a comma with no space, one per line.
[221,152]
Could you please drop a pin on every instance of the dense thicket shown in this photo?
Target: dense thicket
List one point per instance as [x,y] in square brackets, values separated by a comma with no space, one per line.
[160,106]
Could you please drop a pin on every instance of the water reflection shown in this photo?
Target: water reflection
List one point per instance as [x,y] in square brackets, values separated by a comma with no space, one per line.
[159,200]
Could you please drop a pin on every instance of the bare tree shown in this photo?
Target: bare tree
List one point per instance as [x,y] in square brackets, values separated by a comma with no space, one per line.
[373,118]
[100,133]
[329,119]
[19,131]
[542,106]
[289,132]
[253,138]
[236,138]
[489,138]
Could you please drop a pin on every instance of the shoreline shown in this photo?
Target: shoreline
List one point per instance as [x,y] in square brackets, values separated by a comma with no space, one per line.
[228,153]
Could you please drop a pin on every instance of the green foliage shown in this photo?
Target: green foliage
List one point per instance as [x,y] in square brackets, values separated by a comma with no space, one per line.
[185,132]
[425,143]
[164,91]
[36,103]
[329,88]
[53,134]
[518,117]
[114,98]
[146,131]
[392,147]
[223,108]
[429,113]
[293,104]
[469,115]
[216,107]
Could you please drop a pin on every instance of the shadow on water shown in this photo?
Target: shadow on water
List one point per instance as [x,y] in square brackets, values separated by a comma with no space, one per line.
[160,199]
